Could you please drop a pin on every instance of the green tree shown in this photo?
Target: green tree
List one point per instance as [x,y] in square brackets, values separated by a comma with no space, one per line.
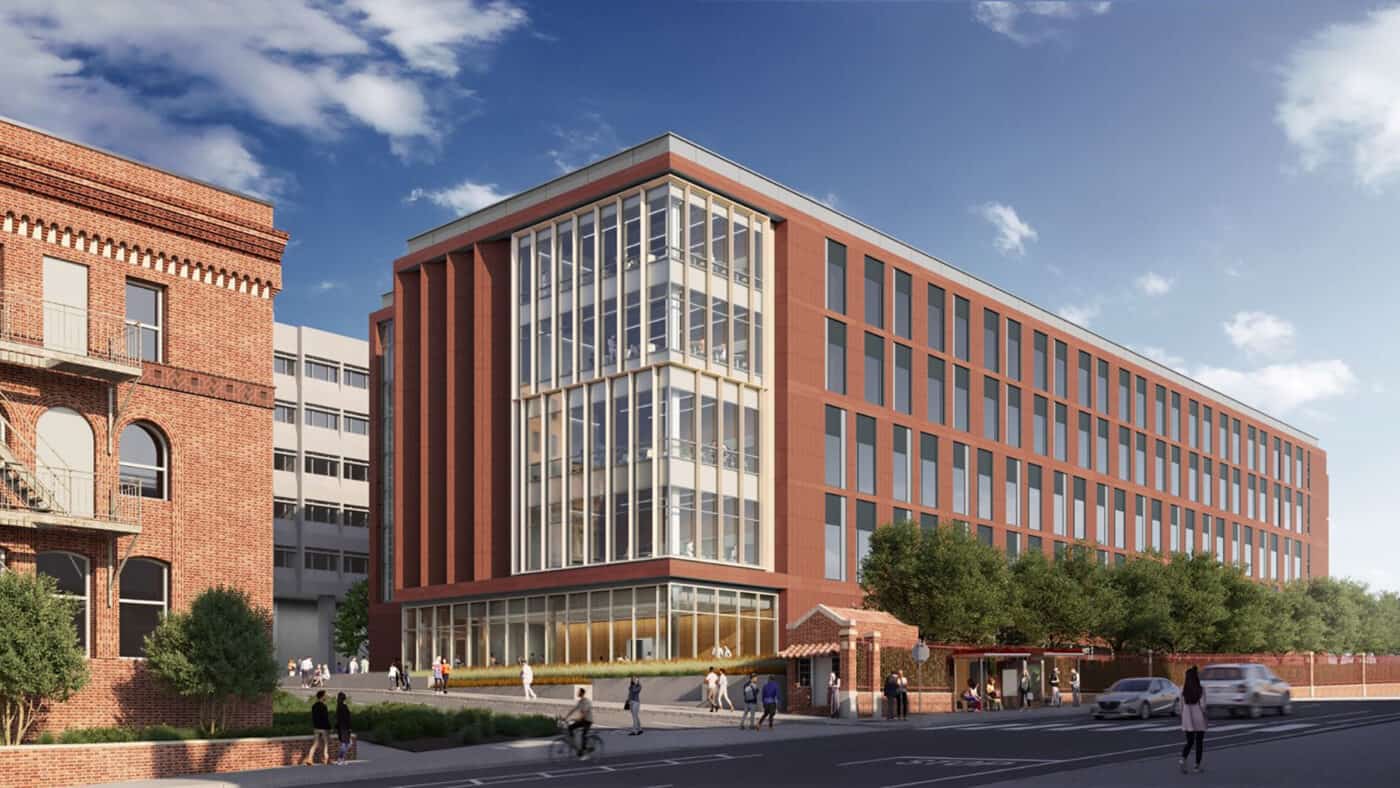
[1249,618]
[1341,617]
[946,582]
[1146,620]
[40,660]
[1196,597]
[220,653]
[1050,605]
[352,620]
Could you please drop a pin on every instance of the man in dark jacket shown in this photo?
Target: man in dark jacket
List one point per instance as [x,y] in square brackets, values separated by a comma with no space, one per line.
[342,727]
[320,730]
[891,696]
[770,702]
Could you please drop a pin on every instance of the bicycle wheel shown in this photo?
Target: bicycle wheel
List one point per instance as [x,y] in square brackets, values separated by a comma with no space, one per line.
[595,746]
[561,751]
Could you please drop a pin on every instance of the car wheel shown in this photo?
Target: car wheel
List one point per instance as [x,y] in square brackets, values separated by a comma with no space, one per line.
[1145,711]
[1176,707]
[1254,710]
[1286,707]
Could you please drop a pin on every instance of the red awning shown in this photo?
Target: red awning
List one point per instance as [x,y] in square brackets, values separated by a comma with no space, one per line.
[805,650]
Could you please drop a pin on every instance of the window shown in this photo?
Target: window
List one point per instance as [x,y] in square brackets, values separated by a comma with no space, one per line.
[284,557]
[356,378]
[284,413]
[835,356]
[865,529]
[1235,441]
[144,461]
[874,369]
[1140,403]
[1061,431]
[145,595]
[1120,500]
[960,328]
[284,509]
[1125,440]
[1101,513]
[356,470]
[70,573]
[835,447]
[900,467]
[1159,466]
[1176,471]
[318,512]
[356,564]
[1102,386]
[1013,349]
[903,287]
[1085,456]
[284,365]
[1039,425]
[959,478]
[936,386]
[1033,488]
[1101,447]
[928,470]
[1039,370]
[1156,526]
[985,535]
[936,318]
[984,485]
[1013,546]
[1057,504]
[903,361]
[1174,425]
[1013,416]
[321,418]
[356,424]
[1207,426]
[928,522]
[874,292]
[835,276]
[1011,507]
[1061,369]
[318,465]
[991,340]
[835,537]
[284,461]
[321,560]
[1140,460]
[960,403]
[1192,422]
[1125,384]
[321,370]
[1139,523]
[865,454]
[1222,446]
[143,321]
[1086,385]
[355,518]
[991,409]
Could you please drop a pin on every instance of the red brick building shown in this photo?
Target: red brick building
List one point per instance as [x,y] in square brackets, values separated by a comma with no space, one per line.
[136,396]
[654,408]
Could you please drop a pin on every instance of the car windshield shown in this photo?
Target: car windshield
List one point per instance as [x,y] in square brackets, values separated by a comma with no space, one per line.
[1129,685]
[1222,674]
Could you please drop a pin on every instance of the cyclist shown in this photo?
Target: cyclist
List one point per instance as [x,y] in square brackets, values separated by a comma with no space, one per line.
[584,710]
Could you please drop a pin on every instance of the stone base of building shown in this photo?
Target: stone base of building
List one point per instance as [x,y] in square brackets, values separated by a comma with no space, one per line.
[121,692]
[58,765]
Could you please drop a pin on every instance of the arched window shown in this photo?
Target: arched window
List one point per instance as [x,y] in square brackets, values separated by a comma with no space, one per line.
[145,596]
[64,459]
[144,460]
[70,570]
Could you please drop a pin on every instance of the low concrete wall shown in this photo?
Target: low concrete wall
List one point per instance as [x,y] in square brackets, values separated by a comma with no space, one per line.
[676,690]
[1385,690]
[59,765]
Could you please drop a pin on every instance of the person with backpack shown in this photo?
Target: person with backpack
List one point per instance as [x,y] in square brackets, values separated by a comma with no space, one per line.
[751,695]
[634,705]
[1193,718]
[891,693]
[342,727]
[770,703]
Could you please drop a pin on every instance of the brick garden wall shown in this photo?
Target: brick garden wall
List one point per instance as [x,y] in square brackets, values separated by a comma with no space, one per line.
[58,765]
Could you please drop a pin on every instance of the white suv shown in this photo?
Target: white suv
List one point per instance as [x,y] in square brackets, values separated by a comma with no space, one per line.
[1245,687]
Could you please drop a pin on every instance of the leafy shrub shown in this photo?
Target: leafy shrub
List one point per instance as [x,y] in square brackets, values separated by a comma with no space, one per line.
[46,738]
[470,734]
[168,733]
[96,735]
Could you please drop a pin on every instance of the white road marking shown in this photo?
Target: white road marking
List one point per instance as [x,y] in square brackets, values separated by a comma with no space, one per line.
[944,758]
[555,774]
[1292,726]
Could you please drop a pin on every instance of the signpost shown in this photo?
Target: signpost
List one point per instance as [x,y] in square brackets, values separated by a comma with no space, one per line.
[920,657]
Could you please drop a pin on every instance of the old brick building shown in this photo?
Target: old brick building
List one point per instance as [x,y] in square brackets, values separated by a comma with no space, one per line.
[136,396]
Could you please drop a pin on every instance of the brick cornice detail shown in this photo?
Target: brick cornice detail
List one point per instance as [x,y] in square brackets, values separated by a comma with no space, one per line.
[205,385]
[106,200]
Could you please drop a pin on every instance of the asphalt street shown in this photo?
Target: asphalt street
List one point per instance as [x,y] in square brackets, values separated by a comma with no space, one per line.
[1330,743]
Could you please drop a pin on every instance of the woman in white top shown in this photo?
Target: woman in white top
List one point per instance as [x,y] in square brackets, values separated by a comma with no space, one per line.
[724,699]
[1193,718]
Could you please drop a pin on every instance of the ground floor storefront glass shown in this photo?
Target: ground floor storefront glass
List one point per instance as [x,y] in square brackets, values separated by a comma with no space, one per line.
[663,621]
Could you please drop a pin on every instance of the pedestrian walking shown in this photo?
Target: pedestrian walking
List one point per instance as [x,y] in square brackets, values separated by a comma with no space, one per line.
[751,696]
[634,705]
[342,727]
[364,665]
[393,675]
[354,667]
[320,730]
[307,668]
[891,694]
[291,668]
[712,689]
[446,675]
[1024,691]
[437,674]
[405,677]
[1074,685]
[724,699]
[1055,686]
[527,679]
[833,693]
[770,703]
[1193,718]
[903,696]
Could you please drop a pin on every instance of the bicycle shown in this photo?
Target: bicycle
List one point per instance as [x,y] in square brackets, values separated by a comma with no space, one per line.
[563,750]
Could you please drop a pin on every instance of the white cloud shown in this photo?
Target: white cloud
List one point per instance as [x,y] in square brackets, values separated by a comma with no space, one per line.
[1081,314]
[1259,332]
[328,284]
[1341,97]
[1012,232]
[1154,284]
[1003,16]
[588,140]
[1281,388]
[464,198]
[172,87]
[1233,271]
[831,200]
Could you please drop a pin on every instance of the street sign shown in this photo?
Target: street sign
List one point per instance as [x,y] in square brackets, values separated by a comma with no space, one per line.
[920,652]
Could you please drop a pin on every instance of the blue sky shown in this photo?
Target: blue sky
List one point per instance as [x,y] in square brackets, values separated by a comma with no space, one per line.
[1216,184]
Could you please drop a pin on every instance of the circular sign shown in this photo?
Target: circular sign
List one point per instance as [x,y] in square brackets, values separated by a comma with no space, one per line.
[921,652]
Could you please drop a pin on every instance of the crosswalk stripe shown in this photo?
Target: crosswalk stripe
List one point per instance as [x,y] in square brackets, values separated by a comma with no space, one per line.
[1292,726]
[1230,727]
[1137,727]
